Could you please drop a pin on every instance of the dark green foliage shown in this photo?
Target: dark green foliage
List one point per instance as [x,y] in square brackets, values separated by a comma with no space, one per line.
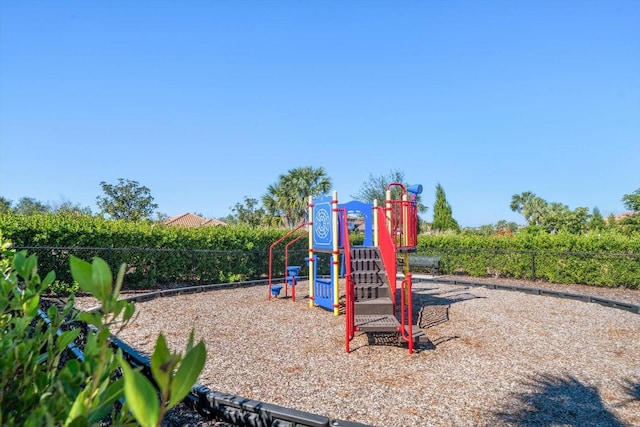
[504,226]
[285,202]
[127,200]
[247,213]
[67,207]
[442,213]
[42,386]
[601,259]
[632,201]
[5,205]
[30,206]
[530,206]
[159,255]
[597,221]
[557,217]
[611,222]
[375,188]
[560,218]
[155,254]
[630,224]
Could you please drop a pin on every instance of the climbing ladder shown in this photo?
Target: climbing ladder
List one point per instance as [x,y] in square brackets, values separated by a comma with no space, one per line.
[374,306]
[373,302]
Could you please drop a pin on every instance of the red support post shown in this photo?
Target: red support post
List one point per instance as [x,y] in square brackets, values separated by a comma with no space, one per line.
[286,264]
[273,245]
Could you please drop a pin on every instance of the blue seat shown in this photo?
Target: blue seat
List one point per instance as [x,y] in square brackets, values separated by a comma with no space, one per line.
[275,290]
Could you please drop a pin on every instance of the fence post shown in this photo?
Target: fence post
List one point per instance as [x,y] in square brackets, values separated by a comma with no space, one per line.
[256,260]
[193,267]
[446,260]
[533,265]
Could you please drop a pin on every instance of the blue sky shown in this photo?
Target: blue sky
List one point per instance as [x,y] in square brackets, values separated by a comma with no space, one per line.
[206,102]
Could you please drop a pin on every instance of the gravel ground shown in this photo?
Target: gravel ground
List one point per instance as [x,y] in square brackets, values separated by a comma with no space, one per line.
[493,357]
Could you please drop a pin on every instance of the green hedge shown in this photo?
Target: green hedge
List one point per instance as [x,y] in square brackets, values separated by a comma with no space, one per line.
[154,253]
[604,259]
[158,254]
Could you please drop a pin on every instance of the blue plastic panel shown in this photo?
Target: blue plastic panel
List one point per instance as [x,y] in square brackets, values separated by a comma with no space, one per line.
[322,224]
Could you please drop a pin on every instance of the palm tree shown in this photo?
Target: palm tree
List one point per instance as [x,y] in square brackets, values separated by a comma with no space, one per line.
[537,208]
[287,199]
[530,206]
[519,201]
[554,216]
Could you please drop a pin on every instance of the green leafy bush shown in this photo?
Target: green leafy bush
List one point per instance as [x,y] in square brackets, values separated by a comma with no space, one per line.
[602,259]
[42,386]
[157,255]
[154,253]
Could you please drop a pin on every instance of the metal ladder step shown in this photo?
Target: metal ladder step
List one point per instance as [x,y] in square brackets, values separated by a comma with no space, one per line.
[374,307]
[376,322]
[388,324]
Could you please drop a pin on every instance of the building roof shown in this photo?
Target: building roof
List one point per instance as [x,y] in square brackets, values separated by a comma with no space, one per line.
[191,220]
[625,215]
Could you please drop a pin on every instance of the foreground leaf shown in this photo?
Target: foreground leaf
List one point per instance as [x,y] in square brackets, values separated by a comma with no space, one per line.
[187,374]
[140,396]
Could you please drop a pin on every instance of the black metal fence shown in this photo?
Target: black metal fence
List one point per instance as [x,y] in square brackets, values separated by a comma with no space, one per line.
[150,267]
[146,268]
[603,269]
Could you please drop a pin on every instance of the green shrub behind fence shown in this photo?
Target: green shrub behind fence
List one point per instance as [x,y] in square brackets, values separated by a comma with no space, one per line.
[604,260]
[157,254]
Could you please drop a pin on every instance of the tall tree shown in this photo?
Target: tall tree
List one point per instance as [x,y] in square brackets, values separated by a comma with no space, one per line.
[632,201]
[30,206]
[630,224]
[519,201]
[597,221]
[287,199]
[442,213]
[5,205]
[127,200]
[532,207]
[537,208]
[552,216]
[504,225]
[577,221]
[67,207]
[248,213]
[375,188]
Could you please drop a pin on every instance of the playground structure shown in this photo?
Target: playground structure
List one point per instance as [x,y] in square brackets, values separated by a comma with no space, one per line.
[374,303]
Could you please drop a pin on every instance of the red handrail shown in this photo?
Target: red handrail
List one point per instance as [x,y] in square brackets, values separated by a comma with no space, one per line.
[286,268]
[387,250]
[304,224]
[406,312]
[349,299]
[401,214]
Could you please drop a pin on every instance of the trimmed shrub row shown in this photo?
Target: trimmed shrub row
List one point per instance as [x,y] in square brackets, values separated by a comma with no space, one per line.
[154,253]
[606,259]
[158,254]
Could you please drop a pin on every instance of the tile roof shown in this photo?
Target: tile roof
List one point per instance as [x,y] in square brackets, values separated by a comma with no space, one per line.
[191,220]
[625,215]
